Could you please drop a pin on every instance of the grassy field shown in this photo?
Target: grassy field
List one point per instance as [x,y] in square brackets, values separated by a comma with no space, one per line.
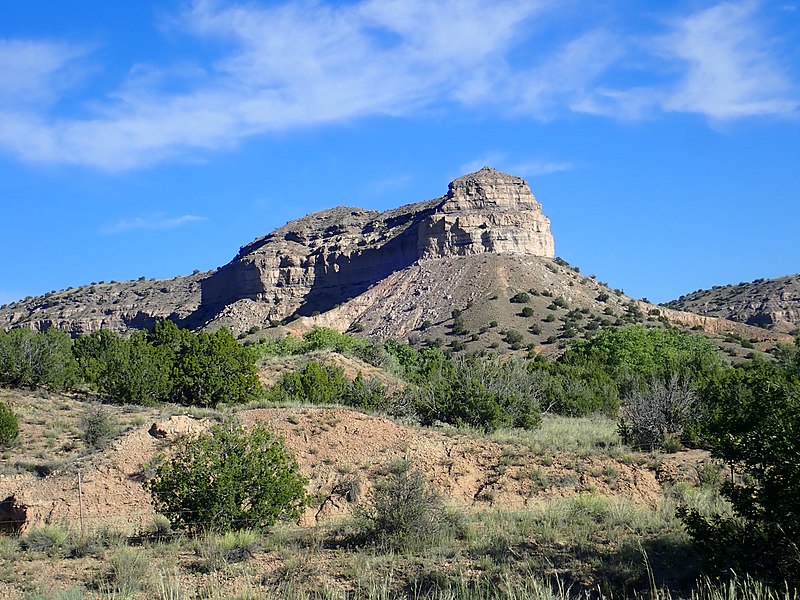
[583,545]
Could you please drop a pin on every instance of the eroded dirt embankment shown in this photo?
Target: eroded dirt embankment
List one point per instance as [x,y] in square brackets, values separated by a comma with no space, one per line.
[341,452]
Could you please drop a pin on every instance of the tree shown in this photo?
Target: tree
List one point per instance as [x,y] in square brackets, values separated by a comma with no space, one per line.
[213,368]
[34,359]
[130,371]
[9,425]
[520,298]
[574,389]
[316,383]
[229,480]
[658,414]
[754,427]
[635,355]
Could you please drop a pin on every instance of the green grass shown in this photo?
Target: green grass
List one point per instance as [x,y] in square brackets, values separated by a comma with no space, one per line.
[595,434]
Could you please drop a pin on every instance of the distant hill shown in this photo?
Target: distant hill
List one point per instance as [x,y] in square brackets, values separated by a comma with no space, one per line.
[770,303]
[472,270]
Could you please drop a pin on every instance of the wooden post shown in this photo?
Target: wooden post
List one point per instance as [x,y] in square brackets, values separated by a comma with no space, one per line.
[80,507]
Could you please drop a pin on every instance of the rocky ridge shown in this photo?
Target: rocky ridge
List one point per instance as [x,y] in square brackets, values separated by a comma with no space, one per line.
[769,303]
[114,305]
[439,271]
[317,262]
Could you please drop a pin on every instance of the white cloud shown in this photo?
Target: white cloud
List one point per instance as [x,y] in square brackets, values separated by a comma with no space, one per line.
[730,70]
[292,65]
[490,159]
[150,222]
[717,62]
[34,72]
[538,168]
[304,63]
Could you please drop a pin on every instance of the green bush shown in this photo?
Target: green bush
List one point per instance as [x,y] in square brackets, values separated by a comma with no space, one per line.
[520,298]
[9,426]
[635,355]
[365,394]
[229,480]
[33,359]
[475,392]
[574,390]
[168,363]
[97,426]
[754,427]
[404,512]
[316,383]
[214,368]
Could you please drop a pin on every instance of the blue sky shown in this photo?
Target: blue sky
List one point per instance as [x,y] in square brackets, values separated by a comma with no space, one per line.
[154,138]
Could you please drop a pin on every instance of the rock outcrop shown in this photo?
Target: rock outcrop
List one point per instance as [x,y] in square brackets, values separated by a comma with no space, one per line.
[317,262]
[116,305]
[767,303]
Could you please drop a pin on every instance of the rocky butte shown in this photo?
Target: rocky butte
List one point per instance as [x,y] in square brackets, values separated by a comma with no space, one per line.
[317,262]
[311,264]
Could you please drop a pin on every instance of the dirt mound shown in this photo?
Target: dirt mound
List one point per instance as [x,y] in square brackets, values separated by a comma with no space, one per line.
[341,452]
[110,491]
[272,370]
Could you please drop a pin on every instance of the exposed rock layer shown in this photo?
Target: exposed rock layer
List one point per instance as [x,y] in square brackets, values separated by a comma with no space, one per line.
[319,261]
[771,303]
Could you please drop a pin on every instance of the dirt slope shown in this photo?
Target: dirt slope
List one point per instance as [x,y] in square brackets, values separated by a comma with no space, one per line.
[341,452]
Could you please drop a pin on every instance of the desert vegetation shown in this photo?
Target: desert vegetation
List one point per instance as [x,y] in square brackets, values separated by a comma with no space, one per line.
[228,500]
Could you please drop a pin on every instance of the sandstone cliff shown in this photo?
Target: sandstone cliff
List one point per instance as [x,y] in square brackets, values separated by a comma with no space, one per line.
[317,262]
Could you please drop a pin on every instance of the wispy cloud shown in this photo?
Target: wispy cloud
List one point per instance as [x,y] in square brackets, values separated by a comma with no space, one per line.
[152,221]
[730,70]
[301,64]
[37,72]
[393,183]
[720,62]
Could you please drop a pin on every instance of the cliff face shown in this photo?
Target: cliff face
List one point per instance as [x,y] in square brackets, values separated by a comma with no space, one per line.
[319,261]
[311,264]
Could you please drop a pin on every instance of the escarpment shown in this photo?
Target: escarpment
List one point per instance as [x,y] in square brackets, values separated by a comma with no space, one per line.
[319,261]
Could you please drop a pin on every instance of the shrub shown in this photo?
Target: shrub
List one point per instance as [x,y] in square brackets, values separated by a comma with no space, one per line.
[9,425]
[214,368]
[365,394]
[128,371]
[96,426]
[513,337]
[520,298]
[574,390]
[754,427]
[403,512]
[47,538]
[229,480]
[658,414]
[476,392]
[635,355]
[527,311]
[316,383]
[31,359]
